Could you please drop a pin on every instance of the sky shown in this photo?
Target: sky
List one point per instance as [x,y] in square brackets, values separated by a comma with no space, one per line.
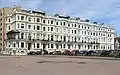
[101,11]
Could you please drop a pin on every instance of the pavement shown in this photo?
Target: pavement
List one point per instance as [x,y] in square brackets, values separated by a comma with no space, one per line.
[57,65]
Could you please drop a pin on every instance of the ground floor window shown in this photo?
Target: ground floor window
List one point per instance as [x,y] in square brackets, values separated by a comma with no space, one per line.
[38,45]
[34,45]
[79,46]
[68,46]
[61,45]
[18,44]
[22,44]
[57,46]
[13,44]
[64,45]
[48,46]
[22,51]
[51,45]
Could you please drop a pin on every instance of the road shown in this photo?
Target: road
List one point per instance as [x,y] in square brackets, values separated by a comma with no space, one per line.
[50,65]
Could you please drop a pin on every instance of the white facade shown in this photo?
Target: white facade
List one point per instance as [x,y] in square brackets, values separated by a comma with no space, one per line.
[37,31]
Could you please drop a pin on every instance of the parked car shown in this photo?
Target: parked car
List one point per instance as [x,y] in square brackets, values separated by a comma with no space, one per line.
[75,52]
[45,52]
[38,53]
[91,53]
[105,53]
[50,53]
[83,52]
[57,53]
[31,53]
[115,53]
[98,52]
[67,52]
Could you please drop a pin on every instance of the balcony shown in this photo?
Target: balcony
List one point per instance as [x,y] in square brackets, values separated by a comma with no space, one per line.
[13,32]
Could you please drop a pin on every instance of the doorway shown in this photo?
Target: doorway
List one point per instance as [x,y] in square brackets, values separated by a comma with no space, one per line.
[29,46]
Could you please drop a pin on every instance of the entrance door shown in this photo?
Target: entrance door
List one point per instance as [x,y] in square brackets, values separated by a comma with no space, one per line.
[29,46]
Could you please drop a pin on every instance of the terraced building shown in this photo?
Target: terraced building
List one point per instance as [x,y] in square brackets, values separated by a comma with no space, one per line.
[29,30]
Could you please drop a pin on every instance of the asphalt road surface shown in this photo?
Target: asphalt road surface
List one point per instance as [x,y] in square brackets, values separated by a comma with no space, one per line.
[40,65]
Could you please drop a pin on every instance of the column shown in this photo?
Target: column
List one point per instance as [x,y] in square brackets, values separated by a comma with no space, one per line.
[32,47]
[70,46]
[40,46]
[66,46]
[19,44]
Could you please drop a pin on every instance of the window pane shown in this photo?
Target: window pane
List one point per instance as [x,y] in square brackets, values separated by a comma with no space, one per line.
[38,20]
[29,26]
[38,27]
[22,25]
[51,22]
[51,45]
[51,28]
[29,19]
[56,23]
[43,21]
[43,28]
[22,17]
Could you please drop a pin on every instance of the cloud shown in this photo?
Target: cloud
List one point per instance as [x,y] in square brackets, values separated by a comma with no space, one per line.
[107,11]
